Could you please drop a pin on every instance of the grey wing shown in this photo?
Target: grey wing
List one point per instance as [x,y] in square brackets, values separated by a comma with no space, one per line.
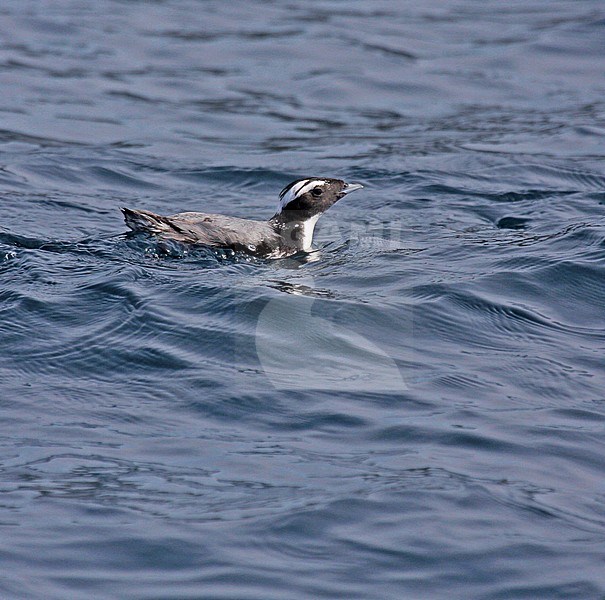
[221,230]
[207,229]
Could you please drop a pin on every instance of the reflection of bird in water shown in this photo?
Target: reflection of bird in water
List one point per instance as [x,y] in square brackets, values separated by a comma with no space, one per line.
[299,289]
[290,230]
[299,350]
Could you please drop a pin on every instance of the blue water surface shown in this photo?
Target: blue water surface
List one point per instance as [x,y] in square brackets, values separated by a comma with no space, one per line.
[415,410]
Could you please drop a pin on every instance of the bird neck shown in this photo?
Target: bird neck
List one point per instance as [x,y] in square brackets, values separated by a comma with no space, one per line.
[296,230]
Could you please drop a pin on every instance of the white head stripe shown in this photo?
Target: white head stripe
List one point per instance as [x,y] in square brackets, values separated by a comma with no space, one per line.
[298,189]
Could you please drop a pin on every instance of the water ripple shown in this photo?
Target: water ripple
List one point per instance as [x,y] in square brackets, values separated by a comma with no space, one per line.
[414,408]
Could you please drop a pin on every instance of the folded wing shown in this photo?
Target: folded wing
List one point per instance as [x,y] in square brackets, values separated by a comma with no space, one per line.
[206,229]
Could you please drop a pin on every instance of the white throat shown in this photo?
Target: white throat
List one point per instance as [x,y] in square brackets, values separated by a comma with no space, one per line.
[307,229]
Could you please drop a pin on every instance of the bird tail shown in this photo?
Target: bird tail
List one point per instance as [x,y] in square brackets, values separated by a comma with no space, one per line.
[144,220]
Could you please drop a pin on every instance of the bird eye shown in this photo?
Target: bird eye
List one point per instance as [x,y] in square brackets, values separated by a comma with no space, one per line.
[317,191]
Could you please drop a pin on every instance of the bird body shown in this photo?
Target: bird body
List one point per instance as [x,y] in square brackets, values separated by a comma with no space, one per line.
[290,230]
[205,229]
